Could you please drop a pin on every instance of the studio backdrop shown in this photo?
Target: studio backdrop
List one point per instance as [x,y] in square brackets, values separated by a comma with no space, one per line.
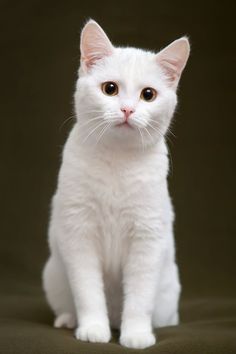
[39,62]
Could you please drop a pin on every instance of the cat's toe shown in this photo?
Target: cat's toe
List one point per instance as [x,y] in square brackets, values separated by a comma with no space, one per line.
[95,333]
[138,340]
[65,320]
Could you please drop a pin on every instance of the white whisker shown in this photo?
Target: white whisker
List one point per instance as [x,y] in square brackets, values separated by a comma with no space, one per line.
[156,129]
[88,112]
[142,142]
[103,132]
[91,132]
[159,132]
[148,133]
[90,121]
[65,121]
[170,131]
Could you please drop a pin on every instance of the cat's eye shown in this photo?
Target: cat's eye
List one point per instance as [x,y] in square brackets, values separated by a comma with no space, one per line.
[148,94]
[110,88]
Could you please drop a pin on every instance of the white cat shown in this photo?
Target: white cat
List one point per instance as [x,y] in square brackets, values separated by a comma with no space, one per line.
[112,260]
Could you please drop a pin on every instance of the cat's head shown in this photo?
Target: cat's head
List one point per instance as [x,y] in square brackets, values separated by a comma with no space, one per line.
[126,96]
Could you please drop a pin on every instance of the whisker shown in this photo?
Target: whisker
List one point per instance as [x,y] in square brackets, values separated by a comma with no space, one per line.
[73,116]
[103,132]
[90,121]
[148,133]
[91,132]
[159,132]
[102,111]
[65,121]
[169,153]
[170,131]
[156,129]
[96,118]
[141,135]
[87,112]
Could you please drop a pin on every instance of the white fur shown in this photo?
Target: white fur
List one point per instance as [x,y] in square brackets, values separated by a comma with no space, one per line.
[112,257]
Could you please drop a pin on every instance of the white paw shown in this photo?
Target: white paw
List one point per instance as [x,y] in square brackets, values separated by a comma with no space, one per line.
[65,320]
[95,333]
[137,340]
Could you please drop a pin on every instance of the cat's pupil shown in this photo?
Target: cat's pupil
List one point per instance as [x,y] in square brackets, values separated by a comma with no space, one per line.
[110,88]
[148,94]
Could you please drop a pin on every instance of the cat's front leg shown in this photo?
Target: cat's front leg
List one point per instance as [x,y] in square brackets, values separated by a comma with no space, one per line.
[79,251]
[141,273]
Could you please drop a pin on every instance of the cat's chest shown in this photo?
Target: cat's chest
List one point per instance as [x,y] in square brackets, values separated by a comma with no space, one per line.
[118,191]
[114,194]
[109,199]
[117,181]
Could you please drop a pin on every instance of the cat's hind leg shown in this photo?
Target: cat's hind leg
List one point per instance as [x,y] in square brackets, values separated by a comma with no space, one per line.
[58,293]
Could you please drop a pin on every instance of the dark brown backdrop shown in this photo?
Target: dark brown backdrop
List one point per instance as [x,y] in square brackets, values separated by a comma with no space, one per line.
[39,59]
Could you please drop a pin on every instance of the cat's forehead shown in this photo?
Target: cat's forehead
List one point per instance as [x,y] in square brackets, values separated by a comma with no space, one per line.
[129,65]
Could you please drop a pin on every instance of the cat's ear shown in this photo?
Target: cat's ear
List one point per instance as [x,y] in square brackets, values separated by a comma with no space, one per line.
[94,44]
[173,59]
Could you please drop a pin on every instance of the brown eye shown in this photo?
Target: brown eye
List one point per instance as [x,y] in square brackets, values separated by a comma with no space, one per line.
[110,88]
[148,94]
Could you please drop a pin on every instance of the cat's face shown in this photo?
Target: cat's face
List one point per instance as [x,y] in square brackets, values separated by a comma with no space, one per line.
[126,96]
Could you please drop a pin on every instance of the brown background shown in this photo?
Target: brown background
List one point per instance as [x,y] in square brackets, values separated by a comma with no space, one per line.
[39,59]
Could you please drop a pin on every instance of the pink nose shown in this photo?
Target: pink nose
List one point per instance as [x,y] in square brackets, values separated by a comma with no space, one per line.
[127,112]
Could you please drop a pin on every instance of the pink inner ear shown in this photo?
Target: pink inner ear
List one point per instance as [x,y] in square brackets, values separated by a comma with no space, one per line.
[173,59]
[95,44]
[171,69]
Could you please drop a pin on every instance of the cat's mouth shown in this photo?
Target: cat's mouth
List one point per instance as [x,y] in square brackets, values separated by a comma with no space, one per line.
[124,124]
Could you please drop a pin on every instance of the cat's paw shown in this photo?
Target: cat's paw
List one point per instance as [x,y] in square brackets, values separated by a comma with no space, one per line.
[96,333]
[137,340]
[65,320]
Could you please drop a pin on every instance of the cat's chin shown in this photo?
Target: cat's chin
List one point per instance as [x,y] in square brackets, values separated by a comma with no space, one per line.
[125,136]
[122,131]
